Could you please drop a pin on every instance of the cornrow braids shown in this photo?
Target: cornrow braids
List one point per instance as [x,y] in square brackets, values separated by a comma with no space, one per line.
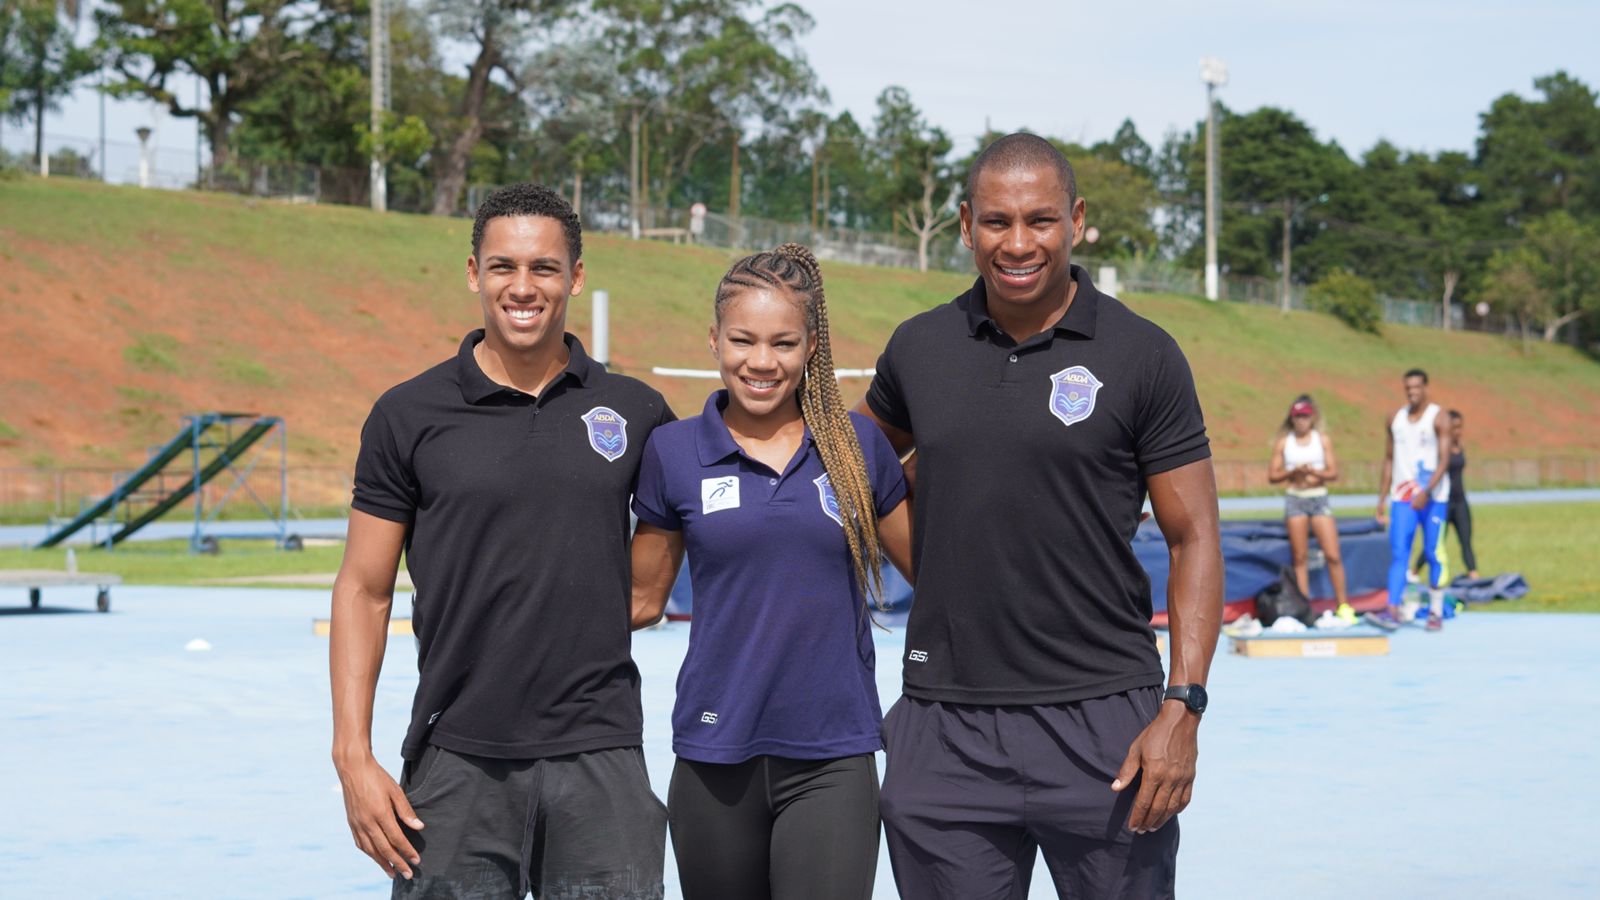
[794,269]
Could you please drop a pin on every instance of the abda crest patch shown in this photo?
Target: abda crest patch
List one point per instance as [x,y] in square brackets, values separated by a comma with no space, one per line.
[1072,393]
[608,432]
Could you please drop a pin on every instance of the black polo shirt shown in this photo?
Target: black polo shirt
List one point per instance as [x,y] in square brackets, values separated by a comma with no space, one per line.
[1031,468]
[516,513]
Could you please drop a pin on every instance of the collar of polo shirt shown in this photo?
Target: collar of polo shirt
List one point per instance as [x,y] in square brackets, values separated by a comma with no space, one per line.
[477,387]
[713,442]
[1079,320]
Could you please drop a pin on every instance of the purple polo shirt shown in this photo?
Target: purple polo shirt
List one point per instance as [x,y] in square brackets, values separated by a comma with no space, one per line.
[780,653]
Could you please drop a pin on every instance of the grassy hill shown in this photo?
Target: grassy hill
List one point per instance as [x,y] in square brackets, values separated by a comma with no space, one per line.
[121,309]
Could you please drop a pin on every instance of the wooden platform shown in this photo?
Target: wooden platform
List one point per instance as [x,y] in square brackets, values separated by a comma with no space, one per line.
[36,580]
[1313,644]
[321,627]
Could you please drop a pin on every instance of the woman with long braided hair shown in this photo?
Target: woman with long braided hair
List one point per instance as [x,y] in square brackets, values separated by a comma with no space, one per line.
[787,505]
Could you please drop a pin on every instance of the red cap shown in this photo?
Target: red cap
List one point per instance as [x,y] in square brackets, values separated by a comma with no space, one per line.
[1302,408]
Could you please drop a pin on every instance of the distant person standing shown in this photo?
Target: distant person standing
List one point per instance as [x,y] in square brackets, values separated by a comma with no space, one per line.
[1458,517]
[1416,456]
[1303,460]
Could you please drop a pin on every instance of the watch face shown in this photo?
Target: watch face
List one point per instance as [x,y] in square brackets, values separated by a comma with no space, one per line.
[1197,698]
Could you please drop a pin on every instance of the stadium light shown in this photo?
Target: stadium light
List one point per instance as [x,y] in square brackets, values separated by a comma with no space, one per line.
[1214,72]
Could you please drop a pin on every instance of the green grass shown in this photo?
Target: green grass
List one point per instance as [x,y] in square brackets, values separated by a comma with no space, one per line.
[8,432]
[343,271]
[171,563]
[154,353]
[1551,544]
[241,369]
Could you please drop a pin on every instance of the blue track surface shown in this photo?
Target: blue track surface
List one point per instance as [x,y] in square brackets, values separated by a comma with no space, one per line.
[1460,766]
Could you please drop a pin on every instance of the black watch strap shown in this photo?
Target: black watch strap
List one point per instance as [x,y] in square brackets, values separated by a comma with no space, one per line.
[1193,696]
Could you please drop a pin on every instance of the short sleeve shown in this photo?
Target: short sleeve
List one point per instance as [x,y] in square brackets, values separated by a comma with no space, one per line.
[650,501]
[883,466]
[884,396]
[1171,431]
[385,483]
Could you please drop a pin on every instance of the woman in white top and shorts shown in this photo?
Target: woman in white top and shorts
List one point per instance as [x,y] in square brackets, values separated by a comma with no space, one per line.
[1303,459]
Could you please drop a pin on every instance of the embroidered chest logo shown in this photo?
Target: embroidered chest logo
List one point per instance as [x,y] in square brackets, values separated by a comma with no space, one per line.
[1072,393]
[608,432]
[830,503]
[719,493]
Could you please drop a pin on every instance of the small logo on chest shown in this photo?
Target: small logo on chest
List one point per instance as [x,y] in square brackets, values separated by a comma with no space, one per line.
[608,432]
[1072,393]
[917,656]
[719,493]
[830,502]
[710,718]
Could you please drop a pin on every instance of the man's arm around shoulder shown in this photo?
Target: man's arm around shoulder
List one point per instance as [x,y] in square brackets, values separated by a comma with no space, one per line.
[363,593]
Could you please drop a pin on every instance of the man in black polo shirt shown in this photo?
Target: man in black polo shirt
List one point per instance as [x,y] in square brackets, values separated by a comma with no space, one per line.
[504,474]
[1042,412]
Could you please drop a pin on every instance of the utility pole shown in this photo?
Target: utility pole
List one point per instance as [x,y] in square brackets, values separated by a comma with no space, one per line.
[633,172]
[1214,72]
[378,174]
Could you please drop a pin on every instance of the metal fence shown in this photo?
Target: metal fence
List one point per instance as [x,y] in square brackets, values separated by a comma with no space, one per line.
[1246,477]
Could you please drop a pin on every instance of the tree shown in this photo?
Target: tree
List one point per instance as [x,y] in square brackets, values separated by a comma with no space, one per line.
[703,72]
[918,182]
[1537,156]
[1567,264]
[41,62]
[237,48]
[1512,286]
[1119,198]
[499,32]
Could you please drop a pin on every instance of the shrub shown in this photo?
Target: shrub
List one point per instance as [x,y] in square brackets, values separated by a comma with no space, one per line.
[1349,298]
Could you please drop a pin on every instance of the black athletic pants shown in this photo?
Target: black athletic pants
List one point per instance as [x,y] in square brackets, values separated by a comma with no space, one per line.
[770,827]
[1459,518]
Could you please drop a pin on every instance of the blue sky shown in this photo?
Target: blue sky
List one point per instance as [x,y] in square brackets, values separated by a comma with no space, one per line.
[1417,72]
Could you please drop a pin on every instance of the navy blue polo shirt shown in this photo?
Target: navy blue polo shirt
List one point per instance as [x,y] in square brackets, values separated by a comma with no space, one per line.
[516,515]
[1032,462]
[780,659]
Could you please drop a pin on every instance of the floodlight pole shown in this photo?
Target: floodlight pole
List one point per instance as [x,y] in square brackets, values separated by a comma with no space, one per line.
[378,174]
[1214,72]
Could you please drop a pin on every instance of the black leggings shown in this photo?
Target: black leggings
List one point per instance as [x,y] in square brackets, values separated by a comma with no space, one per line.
[1459,517]
[788,829]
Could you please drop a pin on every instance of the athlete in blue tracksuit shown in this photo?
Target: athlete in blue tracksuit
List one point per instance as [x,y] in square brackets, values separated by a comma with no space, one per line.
[1416,453]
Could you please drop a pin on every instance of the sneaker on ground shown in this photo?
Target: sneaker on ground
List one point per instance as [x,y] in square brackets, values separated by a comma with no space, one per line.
[1408,610]
[1287,625]
[1435,622]
[1384,619]
[1243,627]
[1347,614]
[1330,620]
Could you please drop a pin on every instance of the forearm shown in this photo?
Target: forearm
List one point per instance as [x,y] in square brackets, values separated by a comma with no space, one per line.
[1387,472]
[1194,606]
[656,554]
[357,638]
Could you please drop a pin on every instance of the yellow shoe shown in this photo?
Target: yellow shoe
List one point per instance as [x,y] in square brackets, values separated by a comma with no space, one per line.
[1347,614]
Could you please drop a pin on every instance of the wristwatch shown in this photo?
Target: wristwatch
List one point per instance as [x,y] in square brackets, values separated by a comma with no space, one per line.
[1192,695]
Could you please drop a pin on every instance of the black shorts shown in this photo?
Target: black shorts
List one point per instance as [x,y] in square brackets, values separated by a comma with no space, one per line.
[971,794]
[581,825]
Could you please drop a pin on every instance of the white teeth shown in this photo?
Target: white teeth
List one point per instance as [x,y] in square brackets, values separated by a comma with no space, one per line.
[1019,272]
[760,384]
[522,314]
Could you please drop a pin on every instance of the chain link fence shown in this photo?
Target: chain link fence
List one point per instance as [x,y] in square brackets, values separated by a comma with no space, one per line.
[29,494]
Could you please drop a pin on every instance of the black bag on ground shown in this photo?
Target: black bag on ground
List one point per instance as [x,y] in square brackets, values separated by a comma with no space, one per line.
[1283,599]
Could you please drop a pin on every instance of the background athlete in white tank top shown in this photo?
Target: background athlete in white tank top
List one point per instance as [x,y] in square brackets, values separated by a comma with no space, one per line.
[1416,485]
[1303,460]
